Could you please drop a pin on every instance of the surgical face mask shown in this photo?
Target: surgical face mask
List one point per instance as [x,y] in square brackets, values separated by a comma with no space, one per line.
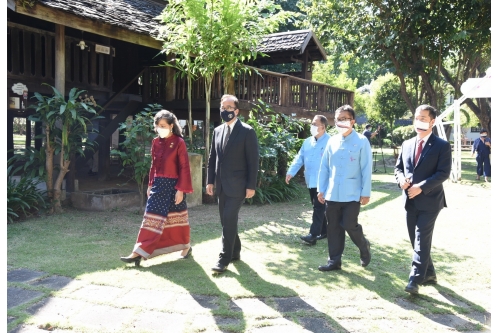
[484,135]
[314,130]
[343,126]
[227,116]
[421,125]
[163,132]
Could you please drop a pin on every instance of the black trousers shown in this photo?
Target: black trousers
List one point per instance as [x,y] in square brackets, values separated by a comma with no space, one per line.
[420,225]
[318,226]
[342,217]
[229,208]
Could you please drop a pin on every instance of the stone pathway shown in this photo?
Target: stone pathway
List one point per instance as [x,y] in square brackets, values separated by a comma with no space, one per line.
[60,304]
[88,307]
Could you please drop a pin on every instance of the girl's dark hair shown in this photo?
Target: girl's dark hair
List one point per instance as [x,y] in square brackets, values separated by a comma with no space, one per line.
[171,119]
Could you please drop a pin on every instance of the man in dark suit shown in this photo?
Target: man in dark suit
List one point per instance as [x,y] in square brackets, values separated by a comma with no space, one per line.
[232,167]
[421,168]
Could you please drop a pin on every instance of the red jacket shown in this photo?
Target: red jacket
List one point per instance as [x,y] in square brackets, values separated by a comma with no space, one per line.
[170,159]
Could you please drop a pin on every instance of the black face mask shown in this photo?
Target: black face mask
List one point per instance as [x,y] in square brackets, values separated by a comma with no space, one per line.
[227,116]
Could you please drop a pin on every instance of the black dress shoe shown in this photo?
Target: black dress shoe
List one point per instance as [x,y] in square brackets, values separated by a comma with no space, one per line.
[366,257]
[321,236]
[219,268]
[331,266]
[188,253]
[310,239]
[128,260]
[430,279]
[412,288]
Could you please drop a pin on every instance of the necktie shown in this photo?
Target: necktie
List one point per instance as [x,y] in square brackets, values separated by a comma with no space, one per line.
[419,150]
[226,137]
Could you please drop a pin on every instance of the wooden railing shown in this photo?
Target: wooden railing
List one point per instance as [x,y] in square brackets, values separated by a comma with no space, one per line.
[275,89]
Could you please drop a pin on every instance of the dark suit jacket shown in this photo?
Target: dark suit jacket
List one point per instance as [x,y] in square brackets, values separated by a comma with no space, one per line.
[433,168]
[236,168]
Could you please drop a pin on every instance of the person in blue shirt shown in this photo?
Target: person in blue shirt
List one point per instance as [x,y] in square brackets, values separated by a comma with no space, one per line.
[344,183]
[482,146]
[309,156]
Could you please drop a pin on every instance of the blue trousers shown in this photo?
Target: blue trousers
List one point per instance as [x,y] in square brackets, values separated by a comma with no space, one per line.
[318,226]
[483,165]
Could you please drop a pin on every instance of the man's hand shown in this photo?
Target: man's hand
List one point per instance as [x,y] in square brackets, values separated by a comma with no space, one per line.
[414,191]
[210,189]
[250,193]
[178,197]
[321,198]
[149,191]
[288,177]
[364,200]
[404,184]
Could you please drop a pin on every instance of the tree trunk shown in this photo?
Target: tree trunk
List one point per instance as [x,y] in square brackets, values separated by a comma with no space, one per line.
[64,168]
[229,84]
[208,93]
[190,111]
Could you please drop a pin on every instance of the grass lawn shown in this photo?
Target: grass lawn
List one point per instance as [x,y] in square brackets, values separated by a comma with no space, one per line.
[275,263]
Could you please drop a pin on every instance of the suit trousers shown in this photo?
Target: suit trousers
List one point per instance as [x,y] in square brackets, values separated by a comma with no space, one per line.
[342,217]
[420,225]
[318,226]
[483,167]
[229,208]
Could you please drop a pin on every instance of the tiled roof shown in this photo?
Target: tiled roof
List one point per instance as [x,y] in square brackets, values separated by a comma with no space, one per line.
[135,15]
[285,41]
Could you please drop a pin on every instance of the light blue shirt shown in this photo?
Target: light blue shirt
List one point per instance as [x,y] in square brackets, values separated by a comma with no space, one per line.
[309,156]
[345,173]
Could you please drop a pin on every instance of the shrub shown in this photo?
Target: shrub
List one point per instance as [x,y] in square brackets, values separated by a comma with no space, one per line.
[402,133]
[23,197]
[277,135]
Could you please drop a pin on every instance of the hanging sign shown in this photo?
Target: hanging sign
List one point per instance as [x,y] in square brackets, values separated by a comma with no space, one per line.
[19,88]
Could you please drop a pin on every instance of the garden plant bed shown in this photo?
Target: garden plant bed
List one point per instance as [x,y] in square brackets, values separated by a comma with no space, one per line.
[106,199]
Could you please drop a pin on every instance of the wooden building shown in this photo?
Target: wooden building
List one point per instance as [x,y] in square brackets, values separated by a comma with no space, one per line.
[108,49]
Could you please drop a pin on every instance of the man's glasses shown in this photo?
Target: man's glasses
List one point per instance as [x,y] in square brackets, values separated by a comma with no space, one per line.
[229,109]
[343,119]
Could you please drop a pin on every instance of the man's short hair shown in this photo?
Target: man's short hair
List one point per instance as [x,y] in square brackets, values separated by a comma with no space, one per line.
[230,97]
[347,108]
[432,110]
[368,126]
[322,120]
[483,130]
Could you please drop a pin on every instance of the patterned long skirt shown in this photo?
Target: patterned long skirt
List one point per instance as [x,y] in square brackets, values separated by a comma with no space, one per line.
[165,226]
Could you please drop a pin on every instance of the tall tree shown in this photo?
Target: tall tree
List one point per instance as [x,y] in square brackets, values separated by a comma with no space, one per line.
[410,38]
[226,34]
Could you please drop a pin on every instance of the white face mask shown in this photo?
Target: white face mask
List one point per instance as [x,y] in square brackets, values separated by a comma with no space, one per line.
[163,132]
[421,125]
[314,130]
[346,126]
[484,135]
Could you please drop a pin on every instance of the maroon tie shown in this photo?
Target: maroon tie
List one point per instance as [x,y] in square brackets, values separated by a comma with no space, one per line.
[419,150]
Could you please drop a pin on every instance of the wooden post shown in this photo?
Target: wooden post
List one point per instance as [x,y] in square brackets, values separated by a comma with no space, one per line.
[10,137]
[322,99]
[60,76]
[170,80]
[284,91]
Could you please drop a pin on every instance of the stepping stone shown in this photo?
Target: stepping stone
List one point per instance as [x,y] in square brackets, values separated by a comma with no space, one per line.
[254,306]
[53,282]
[188,304]
[97,293]
[226,320]
[10,319]
[292,304]
[208,302]
[102,318]
[56,309]
[23,275]
[154,321]
[17,296]
[32,329]
[156,299]
[316,325]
